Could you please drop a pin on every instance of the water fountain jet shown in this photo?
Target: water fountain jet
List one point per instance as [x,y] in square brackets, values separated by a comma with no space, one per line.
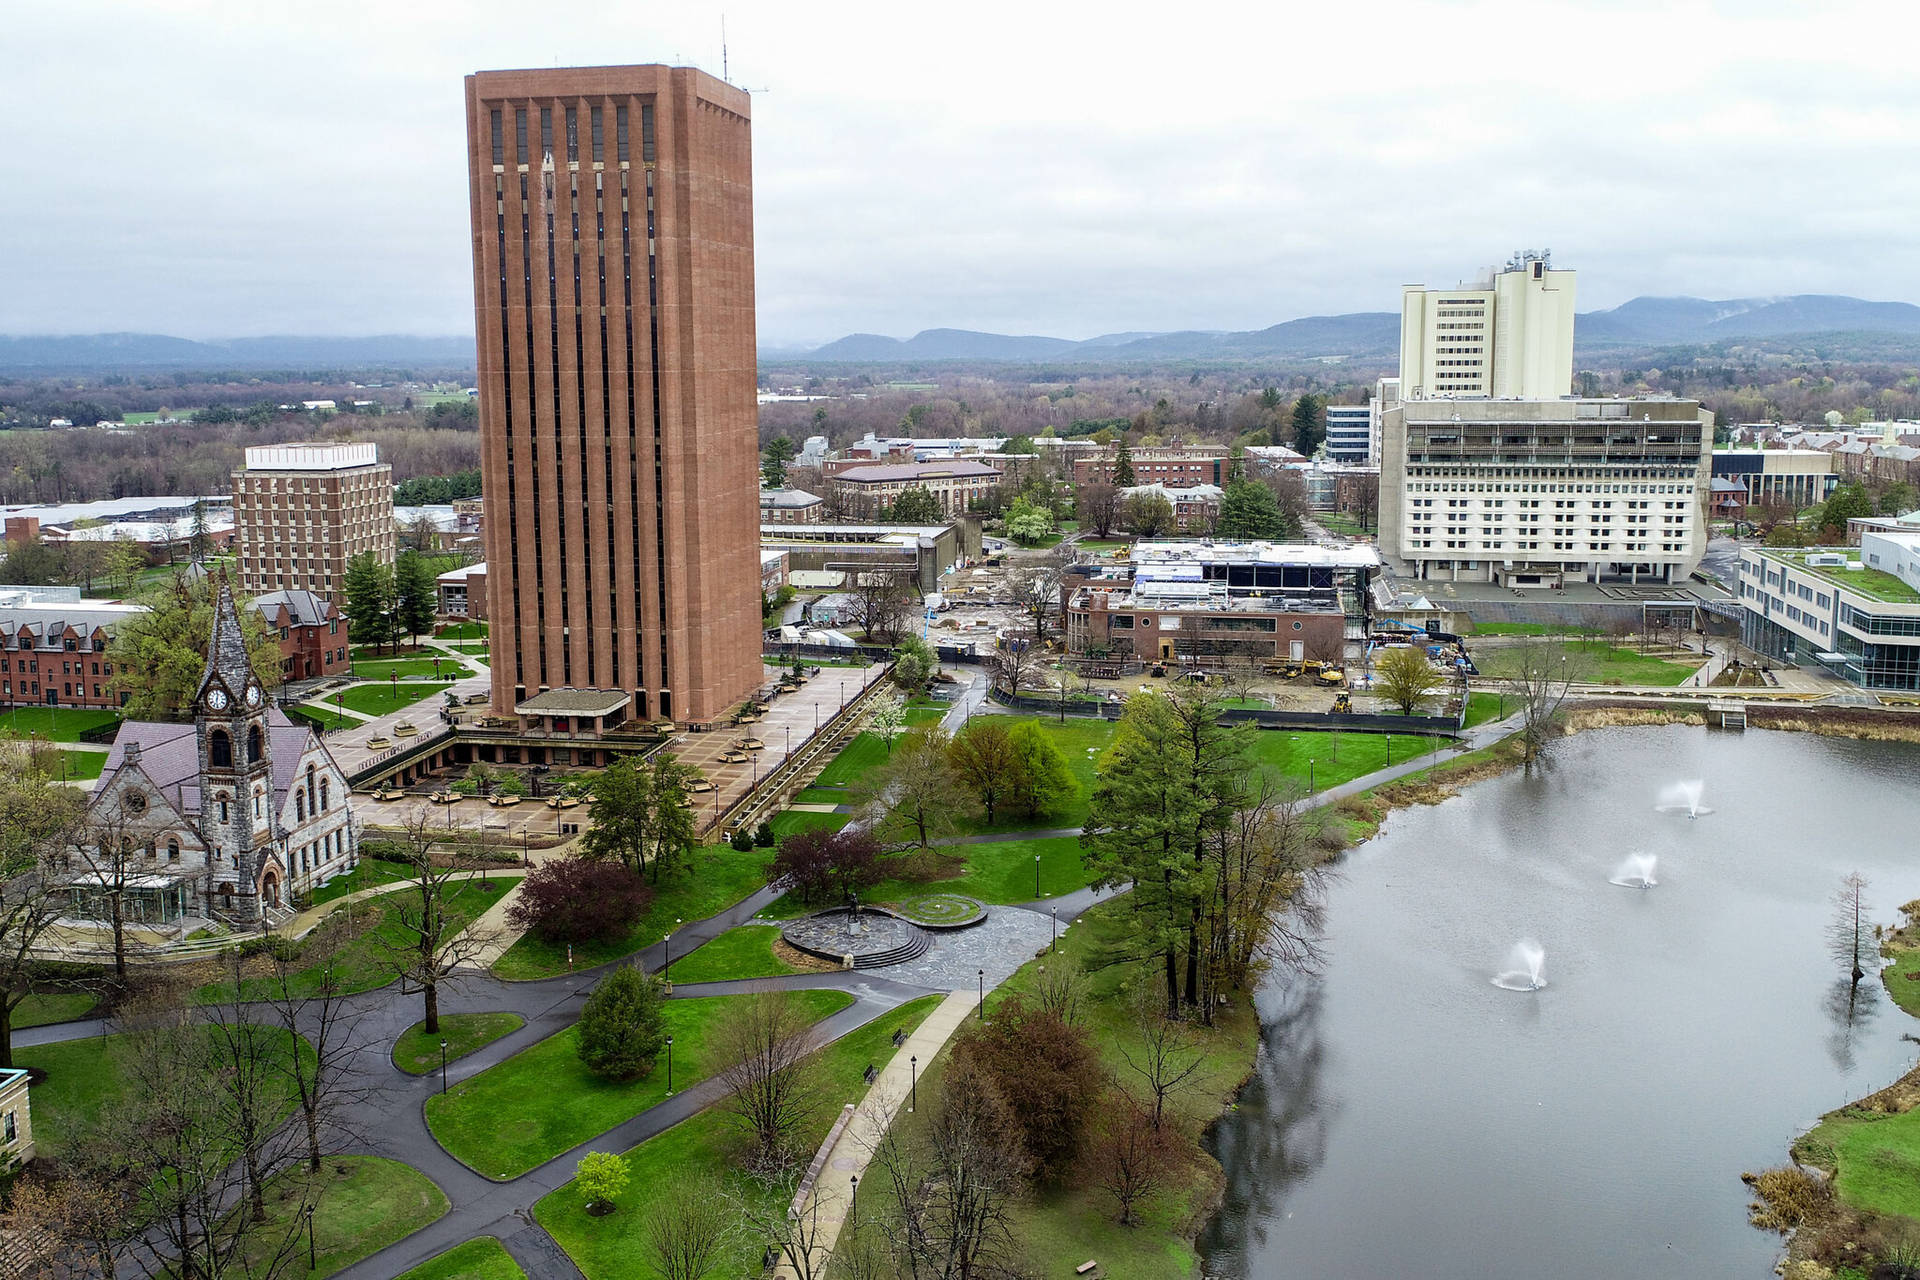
[1635,873]
[1524,967]
[1683,797]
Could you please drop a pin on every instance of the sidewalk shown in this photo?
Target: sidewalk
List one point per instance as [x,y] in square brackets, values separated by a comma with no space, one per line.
[832,1192]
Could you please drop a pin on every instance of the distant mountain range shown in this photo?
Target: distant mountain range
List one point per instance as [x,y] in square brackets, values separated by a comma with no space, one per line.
[91,351]
[1643,322]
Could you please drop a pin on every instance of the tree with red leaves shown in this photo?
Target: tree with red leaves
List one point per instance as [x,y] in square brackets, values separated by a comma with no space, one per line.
[836,863]
[1049,1073]
[574,900]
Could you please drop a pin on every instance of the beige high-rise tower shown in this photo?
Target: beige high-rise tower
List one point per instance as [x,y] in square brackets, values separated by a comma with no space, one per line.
[613,300]
[1509,335]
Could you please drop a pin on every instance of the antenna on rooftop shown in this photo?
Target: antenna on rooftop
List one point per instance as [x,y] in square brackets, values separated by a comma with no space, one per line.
[723,50]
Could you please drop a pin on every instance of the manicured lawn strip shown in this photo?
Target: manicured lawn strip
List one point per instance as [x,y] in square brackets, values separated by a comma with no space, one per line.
[44,1008]
[473,649]
[789,821]
[999,871]
[1872,1155]
[924,715]
[418,1053]
[718,878]
[370,873]
[1602,664]
[1482,707]
[81,764]
[817,794]
[1336,757]
[410,669]
[611,1248]
[379,699]
[1073,737]
[364,1204]
[85,1079]
[543,1100]
[462,631]
[746,952]
[367,961]
[480,1259]
[1900,962]
[330,716]
[57,724]
[866,751]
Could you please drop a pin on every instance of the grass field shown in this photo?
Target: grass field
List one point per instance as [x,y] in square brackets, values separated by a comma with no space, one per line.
[472,648]
[44,1008]
[81,764]
[1599,663]
[462,631]
[998,872]
[1482,707]
[418,1053]
[1874,1158]
[483,1258]
[379,699]
[364,1204]
[367,961]
[1081,742]
[745,952]
[615,1247]
[57,724]
[410,669]
[87,1078]
[328,716]
[1530,629]
[718,878]
[370,873]
[543,1100]
[790,821]
[1336,757]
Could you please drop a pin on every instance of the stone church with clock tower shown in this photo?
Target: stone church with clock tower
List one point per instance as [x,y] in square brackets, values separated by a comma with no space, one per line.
[228,818]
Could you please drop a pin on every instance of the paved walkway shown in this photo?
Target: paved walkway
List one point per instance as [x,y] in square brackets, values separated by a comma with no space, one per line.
[832,1194]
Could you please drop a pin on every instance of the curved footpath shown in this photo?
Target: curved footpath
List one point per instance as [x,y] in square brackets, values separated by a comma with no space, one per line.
[388,1117]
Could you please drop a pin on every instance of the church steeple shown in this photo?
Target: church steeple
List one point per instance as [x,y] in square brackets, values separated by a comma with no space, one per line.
[228,678]
[237,817]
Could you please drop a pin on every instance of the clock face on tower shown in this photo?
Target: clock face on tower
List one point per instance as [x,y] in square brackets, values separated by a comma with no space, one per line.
[253,695]
[217,699]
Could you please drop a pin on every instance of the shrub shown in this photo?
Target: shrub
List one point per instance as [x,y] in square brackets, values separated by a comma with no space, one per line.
[1788,1197]
[741,840]
[836,862]
[763,837]
[510,784]
[1048,1072]
[601,1176]
[275,945]
[384,850]
[574,900]
[622,1026]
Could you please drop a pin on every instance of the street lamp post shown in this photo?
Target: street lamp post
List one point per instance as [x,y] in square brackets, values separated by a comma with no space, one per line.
[669,1066]
[853,1200]
[913,1082]
[313,1263]
[443,1065]
[1056,930]
[1309,775]
[1036,875]
[983,995]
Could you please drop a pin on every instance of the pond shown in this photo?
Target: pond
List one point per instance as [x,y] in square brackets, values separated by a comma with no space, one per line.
[1408,1117]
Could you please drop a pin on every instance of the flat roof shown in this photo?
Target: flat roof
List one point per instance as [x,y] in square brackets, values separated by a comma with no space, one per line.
[1223,551]
[574,702]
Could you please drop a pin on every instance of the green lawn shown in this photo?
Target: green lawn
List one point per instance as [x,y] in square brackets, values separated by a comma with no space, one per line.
[1081,741]
[44,1008]
[86,1078]
[543,1100]
[1876,1158]
[866,751]
[410,669]
[328,717]
[1482,707]
[473,649]
[462,631]
[1600,663]
[367,962]
[1336,757]
[789,821]
[997,872]
[59,724]
[745,952]
[418,1053]
[480,1259]
[719,877]
[81,764]
[369,873]
[614,1247]
[379,699]
[1900,963]
[364,1204]
[1102,544]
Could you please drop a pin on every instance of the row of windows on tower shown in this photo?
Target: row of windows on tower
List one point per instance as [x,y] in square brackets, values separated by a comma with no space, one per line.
[220,748]
[596,122]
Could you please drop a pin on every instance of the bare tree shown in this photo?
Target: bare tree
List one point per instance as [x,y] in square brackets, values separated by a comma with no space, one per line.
[73,1224]
[916,796]
[1098,505]
[765,1044]
[114,849]
[688,1224]
[1018,663]
[880,601]
[428,944]
[791,1225]
[38,822]
[950,1193]
[1542,672]
[1163,1053]
[248,1078]
[1131,1159]
[1061,989]
[1850,936]
[1035,586]
[307,997]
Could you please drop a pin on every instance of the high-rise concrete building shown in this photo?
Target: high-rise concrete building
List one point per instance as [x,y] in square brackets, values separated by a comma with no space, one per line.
[1509,335]
[613,298]
[302,511]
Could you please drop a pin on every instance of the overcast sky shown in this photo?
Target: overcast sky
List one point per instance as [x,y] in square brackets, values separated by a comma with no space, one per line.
[210,169]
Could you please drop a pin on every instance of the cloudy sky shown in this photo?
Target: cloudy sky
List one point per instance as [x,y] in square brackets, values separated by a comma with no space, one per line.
[211,168]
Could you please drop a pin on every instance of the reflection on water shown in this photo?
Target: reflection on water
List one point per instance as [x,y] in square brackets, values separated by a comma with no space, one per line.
[1408,1118]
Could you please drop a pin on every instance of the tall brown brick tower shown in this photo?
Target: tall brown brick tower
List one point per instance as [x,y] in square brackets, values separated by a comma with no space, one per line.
[613,299]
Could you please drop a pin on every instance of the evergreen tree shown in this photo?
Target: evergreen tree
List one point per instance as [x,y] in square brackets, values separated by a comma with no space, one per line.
[371,597]
[416,595]
[622,1025]
[1309,424]
[1123,466]
[1848,502]
[199,541]
[773,462]
[1250,510]
[916,506]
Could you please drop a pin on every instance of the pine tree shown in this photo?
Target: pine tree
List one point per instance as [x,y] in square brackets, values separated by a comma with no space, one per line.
[1123,466]
[371,597]
[416,596]
[1309,424]
[1250,510]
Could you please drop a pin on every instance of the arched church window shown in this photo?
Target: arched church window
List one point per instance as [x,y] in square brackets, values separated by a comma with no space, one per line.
[173,850]
[299,807]
[254,751]
[326,801]
[223,807]
[220,749]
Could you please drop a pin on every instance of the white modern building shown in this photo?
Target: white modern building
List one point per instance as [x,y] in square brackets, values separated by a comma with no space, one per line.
[1508,335]
[1853,611]
[1350,432]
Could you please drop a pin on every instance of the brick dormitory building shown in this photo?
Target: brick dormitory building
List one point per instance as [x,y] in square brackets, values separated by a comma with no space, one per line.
[302,511]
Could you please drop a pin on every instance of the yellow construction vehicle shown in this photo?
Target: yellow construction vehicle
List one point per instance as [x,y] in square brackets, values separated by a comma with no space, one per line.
[1343,703]
[1332,675]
